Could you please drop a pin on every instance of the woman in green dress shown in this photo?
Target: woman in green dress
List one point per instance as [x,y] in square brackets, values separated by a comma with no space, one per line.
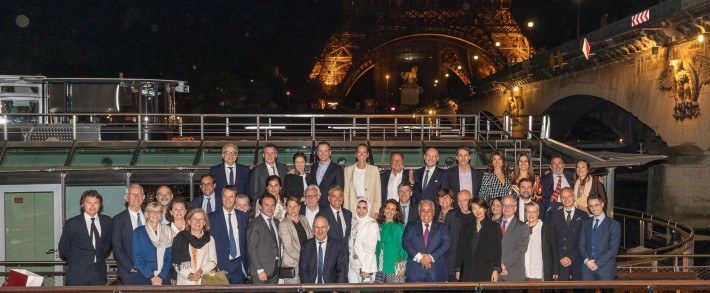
[391,257]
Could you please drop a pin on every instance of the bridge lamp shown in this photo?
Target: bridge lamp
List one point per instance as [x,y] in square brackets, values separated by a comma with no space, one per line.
[497,44]
[516,89]
[475,57]
[531,24]
[701,38]
[458,67]
[447,75]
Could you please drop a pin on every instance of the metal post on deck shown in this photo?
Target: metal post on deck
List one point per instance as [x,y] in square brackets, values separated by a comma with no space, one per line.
[258,124]
[202,127]
[368,128]
[140,127]
[421,130]
[4,127]
[226,127]
[313,127]
[462,127]
[530,126]
[477,126]
[192,185]
[395,129]
[609,182]
[73,127]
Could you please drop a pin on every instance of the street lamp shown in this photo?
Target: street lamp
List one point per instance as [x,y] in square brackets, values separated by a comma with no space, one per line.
[387,78]
[530,24]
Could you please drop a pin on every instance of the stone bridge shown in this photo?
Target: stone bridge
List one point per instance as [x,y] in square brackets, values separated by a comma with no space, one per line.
[646,83]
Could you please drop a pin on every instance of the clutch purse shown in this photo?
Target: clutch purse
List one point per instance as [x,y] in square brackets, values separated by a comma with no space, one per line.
[215,278]
[287,272]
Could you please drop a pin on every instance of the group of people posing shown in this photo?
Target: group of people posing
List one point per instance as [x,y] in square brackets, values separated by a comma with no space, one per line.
[269,225]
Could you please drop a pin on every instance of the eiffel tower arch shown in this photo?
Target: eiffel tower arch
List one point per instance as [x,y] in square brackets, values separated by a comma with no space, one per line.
[446,39]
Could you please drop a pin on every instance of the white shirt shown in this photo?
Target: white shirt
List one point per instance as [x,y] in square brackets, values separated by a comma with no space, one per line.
[87,219]
[273,170]
[325,243]
[419,255]
[533,256]
[342,218]
[234,172]
[235,229]
[571,214]
[134,218]
[311,215]
[393,185]
[431,172]
[359,181]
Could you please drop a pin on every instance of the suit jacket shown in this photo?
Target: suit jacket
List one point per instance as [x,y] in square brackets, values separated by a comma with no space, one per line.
[197,202]
[220,232]
[450,180]
[455,220]
[290,241]
[145,256]
[293,185]
[550,262]
[333,176]
[335,262]
[438,246]
[514,244]
[568,241]
[76,247]
[373,191]
[607,247]
[258,178]
[412,211]
[242,174]
[384,181]
[548,187]
[263,247]
[327,212]
[122,239]
[432,187]
[478,265]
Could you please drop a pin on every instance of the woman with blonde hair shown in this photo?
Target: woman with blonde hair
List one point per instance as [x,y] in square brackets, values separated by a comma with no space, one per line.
[194,253]
[152,248]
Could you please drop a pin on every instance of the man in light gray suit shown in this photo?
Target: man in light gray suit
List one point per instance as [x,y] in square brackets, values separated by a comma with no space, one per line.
[516,236]
[267,168]
[263,244]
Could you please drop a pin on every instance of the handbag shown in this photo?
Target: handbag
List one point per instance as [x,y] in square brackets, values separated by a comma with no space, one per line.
[215,278]
[287,272]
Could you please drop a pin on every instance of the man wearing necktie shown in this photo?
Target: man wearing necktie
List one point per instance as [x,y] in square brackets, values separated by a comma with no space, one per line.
[514,244]
[426,242]
[229,172]
[85,243]
[228,226]
[427,182]
[339,218]
[552,184]
[568,222]
[269,167]
[122,233]
[264,245]
[599,243]
[410,209]
[209,201]
[323,259]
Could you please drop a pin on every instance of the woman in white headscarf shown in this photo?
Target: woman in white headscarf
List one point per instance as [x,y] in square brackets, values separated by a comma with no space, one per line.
[152,248]
[363,241]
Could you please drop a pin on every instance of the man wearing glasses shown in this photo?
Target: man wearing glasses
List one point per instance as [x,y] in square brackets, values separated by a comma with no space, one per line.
[516,236]
[229,172]
[209,200]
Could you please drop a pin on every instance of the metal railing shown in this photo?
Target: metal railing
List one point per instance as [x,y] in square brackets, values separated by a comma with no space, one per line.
[102,126]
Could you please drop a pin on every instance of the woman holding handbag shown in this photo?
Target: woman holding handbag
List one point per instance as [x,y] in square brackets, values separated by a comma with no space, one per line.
[194,253]
[390,253]
[293,231]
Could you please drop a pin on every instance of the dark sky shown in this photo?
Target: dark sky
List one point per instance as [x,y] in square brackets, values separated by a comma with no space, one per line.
[187,39]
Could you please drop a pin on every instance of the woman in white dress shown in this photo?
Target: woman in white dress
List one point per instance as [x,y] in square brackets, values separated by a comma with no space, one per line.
[363,241]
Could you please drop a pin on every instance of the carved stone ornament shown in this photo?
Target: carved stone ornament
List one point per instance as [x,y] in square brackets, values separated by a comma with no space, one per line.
[685,79]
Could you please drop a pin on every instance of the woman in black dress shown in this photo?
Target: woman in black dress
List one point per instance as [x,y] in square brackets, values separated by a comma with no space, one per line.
[296,183]
[479,249]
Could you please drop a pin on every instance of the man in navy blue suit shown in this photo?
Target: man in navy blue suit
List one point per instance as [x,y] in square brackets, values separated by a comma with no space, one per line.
[229,172]
[339,218]
[209,201]
[552,184]
[426,243]
[568,222]
[326,172]
[599,243]
[323,259]
[451,179]
[85,243]
[390,180]
[228,226]
[122,233]
[427,180]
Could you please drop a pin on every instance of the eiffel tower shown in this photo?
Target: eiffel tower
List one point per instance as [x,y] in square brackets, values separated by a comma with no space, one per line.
[450,41]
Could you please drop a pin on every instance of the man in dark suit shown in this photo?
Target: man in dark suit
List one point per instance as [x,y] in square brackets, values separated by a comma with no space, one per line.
[267,168]
[122,233]
[326,172]
[339,218]
[85,243]
[450,178]
[568,222]
[410,210]
[426,243]
[599,243]
[427,180]
[525,196]
[209,200]
[263,244]
[514,243]
[552,184]
[229,172]
[390,180]
[228,226]
[323,260]
[455,220]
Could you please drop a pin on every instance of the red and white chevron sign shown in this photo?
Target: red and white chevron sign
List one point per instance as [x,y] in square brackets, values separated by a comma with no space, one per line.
[639,18]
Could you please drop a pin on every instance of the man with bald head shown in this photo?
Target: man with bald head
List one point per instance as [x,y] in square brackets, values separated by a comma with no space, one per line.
[323,259]
[427,179]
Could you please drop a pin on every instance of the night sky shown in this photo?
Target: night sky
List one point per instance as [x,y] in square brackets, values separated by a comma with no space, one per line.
[198,40]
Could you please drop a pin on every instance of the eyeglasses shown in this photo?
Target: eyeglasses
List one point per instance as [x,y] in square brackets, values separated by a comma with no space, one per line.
[311,195]
[206,184]
[508,206]
[230,153]
[164,193]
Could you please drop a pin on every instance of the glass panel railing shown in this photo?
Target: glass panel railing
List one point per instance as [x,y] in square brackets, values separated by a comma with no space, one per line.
[35,156]
[93,156]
